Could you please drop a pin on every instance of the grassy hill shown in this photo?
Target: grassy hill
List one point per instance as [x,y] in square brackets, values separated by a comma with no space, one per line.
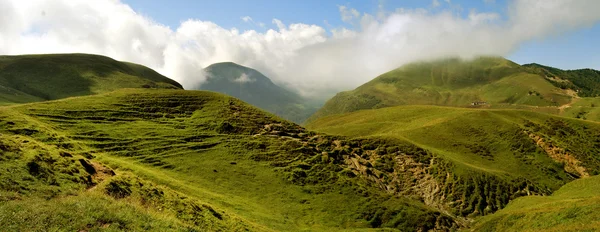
[574,207]
[164,159]
[487,150]
[584,108]
[585,81]
[140,159]
[255,88]
[451,82]
[32,78]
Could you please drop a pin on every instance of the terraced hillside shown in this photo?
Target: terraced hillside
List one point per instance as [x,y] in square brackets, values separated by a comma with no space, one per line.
[193,159]
[171,159]
[255,88]
[486,82]
[494,148]
[32,78]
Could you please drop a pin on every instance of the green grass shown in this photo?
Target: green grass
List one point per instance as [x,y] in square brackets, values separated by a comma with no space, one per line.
[485,142]
[451,82]
[574,207]
[584,108]
[90,211]
[585,81]
[31,78]
[207,151]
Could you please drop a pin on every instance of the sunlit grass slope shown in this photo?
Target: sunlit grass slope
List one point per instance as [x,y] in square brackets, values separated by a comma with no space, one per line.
[585,81]
[574,207]
[583,108]
[547,151]
[450,82]
[139,159]
[30,78]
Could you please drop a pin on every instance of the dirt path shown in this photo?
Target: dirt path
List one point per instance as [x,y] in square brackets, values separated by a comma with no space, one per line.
[568,105]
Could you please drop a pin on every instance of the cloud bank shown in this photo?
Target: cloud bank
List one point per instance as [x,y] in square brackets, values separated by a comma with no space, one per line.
[244,78]
[308,58]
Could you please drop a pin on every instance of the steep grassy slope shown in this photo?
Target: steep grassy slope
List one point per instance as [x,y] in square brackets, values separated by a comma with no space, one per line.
[180,160]
[492,149]
[574,207]
[31,78]
[585,81]
[450,82]
[255,88]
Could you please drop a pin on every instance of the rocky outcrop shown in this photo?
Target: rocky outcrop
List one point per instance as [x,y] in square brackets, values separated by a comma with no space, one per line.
[572,165]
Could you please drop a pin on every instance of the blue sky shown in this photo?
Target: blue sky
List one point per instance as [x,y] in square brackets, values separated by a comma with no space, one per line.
[572,50]
[228,13]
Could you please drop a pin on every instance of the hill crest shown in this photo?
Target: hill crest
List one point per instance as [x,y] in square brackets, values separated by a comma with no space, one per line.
[30,78]
[495,81]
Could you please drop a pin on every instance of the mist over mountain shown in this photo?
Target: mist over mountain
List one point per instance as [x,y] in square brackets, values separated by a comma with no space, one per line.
[255,88]
[480,82]
[307,57]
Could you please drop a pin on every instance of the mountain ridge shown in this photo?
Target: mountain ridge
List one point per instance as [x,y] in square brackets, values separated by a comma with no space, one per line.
[493,81]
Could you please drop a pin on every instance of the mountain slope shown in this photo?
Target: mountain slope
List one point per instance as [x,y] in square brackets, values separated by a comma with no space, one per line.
[452,82]
[253,87]
[585,81]
[574,207]
[496,155]
[206,161]
[30,78]
[195,160]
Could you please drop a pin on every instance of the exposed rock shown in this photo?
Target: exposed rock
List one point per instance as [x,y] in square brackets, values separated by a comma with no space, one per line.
[572,164]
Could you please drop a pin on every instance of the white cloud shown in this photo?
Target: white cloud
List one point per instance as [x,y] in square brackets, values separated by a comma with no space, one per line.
[477,18]
[247,19]
[343,33]
[301,56]
[244,78]
[435,3]
[348,14]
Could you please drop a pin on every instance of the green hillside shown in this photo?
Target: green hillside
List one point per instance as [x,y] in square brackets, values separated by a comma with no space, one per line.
[493,148]
[255,88]
[584,108]
[140,159]
[585,81]
[31,78]
[451,82]
[155,158]
[574,207]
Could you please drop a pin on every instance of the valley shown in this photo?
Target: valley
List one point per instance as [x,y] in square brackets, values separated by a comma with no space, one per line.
[399,153]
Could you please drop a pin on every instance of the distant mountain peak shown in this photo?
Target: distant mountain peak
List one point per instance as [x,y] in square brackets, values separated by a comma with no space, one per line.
[234,73]
[255,88]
